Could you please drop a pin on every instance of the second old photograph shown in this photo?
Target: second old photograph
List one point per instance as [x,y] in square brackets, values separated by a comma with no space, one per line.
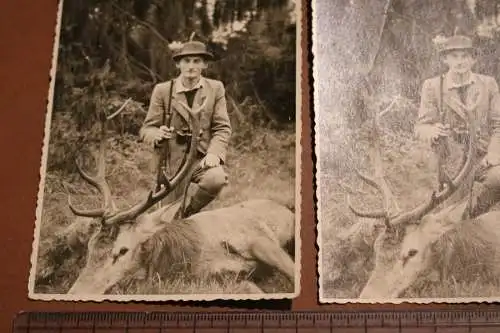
[407,122]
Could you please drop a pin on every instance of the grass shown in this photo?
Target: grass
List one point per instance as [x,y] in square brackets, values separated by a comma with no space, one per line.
[264,168]
[347,241]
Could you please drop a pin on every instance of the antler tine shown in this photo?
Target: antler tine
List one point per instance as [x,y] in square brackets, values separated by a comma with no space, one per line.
[369,214]
[153,198]
[452,185]
[85,213]
[381,185]
[98,181]
[103,184]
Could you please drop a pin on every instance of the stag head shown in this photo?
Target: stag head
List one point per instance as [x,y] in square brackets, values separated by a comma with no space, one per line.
[404,245]
[114,248]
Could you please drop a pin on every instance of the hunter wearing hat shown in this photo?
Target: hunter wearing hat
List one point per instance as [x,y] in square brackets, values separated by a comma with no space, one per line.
[189,91]
[445,97]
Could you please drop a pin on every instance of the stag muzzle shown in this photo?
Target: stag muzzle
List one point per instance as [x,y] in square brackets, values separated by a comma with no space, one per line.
[390,284]
[99,280]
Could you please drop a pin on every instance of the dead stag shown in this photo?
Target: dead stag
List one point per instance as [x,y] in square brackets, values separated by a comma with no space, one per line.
[133,243]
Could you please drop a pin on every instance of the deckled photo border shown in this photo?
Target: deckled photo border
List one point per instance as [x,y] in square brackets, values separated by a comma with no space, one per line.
[331,64]
[174,297]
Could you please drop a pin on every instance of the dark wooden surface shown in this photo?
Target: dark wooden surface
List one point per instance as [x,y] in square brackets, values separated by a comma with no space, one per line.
[26,40]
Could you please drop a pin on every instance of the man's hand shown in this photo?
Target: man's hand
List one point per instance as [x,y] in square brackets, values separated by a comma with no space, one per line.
[210,161]
[430,133]
[437,131]
[163,133]
[487,162]
[490,160]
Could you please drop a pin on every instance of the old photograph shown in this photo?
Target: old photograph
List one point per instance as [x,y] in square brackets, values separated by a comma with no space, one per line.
[407,141]
[170,167]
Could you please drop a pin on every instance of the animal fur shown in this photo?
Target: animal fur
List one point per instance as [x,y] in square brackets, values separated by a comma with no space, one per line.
[172,251]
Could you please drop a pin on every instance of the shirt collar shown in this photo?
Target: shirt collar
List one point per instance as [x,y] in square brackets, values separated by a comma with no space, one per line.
[449,84]
[179,87]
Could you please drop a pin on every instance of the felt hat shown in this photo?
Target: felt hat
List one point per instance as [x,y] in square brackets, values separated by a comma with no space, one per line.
[457,42]
[193,48]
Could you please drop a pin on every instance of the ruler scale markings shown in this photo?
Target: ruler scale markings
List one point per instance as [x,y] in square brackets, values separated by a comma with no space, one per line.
[309,323]
[109,323]
[29,323]
[155,323]
[242,324]
[287,323]
[45,320]
[77,321]
[386,323]
[477,319]
[146,323]
[282,322]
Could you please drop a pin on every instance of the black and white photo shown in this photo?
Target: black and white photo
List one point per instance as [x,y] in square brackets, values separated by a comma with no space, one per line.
[407,140]
[170,167]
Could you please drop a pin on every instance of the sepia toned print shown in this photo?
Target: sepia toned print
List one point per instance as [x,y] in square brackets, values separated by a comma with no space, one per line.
[170,167]
[407,120]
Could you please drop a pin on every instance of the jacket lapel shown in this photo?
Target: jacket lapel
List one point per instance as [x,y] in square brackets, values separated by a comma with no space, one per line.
[180,104]
[452,100]
[200,95]
[179,98]
[474,95]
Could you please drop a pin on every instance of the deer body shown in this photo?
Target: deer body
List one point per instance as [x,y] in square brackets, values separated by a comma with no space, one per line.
[231,239]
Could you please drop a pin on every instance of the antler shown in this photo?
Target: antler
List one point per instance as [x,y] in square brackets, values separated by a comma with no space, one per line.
[109,212]
[378,182]
[437,197]
[381,186]
[98,181]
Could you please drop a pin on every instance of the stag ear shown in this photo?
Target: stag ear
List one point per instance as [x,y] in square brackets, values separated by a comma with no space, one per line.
[167,214]
[449,218]
[411,228]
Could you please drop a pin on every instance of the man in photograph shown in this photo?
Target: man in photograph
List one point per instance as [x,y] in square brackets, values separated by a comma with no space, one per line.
[175,98]
[445,100]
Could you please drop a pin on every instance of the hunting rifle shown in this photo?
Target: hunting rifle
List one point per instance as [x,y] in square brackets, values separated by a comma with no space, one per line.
[163,162]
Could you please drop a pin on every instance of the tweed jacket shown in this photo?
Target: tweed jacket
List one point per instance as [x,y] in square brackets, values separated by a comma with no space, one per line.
[214,119]
[482,98]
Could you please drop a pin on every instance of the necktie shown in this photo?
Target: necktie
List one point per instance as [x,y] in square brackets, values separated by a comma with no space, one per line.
[462,92]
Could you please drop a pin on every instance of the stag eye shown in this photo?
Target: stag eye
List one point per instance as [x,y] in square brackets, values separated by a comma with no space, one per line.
[412,253]
[123,251]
